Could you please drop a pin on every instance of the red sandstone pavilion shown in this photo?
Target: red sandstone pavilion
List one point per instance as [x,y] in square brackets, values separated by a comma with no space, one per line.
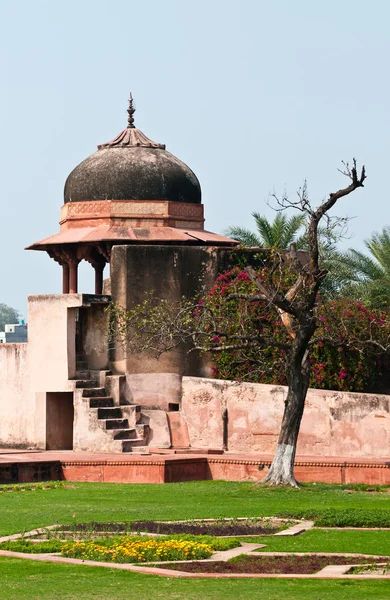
[94,413]
[131,191]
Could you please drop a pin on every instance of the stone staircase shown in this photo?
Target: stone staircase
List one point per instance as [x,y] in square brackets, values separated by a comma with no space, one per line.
[122,422]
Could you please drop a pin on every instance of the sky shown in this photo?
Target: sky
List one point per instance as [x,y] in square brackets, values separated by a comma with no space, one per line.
[255,96]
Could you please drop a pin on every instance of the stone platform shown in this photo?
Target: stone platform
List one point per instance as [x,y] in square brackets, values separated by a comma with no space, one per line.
[27,466]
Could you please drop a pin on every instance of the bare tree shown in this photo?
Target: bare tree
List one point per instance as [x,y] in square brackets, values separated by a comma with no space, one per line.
[297,311]
[157,325]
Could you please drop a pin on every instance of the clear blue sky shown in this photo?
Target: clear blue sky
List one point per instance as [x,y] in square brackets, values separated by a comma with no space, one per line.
[253,95]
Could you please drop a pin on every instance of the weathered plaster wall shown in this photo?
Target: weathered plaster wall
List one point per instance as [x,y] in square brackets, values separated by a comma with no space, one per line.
[153,390]
[52,332]
[334,423]
[29,371]
[17,405]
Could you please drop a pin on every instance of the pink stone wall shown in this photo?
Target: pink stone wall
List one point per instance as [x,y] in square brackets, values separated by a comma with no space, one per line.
[17,405]
[334,423]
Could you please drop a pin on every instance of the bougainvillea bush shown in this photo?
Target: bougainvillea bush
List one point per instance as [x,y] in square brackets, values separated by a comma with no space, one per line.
[348,352]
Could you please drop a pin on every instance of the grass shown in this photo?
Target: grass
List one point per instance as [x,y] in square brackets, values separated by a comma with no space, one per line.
[48,581]
[196,499]
[106,502]
[364,542]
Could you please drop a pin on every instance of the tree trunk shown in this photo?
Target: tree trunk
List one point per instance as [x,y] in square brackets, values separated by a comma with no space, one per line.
[281,471]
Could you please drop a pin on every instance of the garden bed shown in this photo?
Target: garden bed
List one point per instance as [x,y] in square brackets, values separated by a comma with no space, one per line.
[218,527]
[123,549]
[288,564]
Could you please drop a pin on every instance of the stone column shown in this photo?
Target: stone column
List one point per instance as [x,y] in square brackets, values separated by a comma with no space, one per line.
[99,268]
[73,267]
[65,278]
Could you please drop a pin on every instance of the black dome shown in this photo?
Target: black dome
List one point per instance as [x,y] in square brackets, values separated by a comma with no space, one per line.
[129,168]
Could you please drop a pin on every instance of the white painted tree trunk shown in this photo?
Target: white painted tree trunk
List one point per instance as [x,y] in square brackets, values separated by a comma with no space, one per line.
[281,471]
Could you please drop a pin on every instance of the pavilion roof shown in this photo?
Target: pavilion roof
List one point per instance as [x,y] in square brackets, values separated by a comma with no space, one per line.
[133,235]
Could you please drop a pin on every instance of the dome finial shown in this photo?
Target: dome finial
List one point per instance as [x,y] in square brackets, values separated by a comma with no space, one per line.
[131,111]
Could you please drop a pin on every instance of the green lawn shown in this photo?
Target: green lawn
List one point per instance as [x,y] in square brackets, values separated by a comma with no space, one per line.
[22,511]
[365,542]
[29,580]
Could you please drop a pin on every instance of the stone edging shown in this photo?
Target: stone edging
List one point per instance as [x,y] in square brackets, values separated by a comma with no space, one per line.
[225,460]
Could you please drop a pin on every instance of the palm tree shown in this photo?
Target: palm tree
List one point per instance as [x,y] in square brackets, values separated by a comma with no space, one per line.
[277,234]
[367,277]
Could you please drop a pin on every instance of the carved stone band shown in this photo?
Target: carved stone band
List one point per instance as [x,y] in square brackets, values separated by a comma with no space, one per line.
[101,209]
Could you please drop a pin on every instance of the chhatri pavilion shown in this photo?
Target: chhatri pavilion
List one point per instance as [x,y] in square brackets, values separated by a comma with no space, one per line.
[131,191]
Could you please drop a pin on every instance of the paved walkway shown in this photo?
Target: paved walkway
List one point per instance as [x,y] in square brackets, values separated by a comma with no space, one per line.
[16,455]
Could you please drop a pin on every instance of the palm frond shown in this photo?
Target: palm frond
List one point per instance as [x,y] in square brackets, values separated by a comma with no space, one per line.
[379,246]
[291,228]
[361,266]
[246,237]
[265,230]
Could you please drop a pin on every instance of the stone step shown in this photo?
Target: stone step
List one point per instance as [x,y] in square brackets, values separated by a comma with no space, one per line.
[124,434]
[85,383]
[101,402]
[100,375]
[140,449]
[94,392]
[109,413]
[134,446]
[116,424]
[143,430]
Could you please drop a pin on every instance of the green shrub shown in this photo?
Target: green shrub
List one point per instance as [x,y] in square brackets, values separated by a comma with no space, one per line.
[345,517]
[28,547]
[31,487]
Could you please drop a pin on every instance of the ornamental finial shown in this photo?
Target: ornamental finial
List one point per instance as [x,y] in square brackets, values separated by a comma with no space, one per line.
[131,111]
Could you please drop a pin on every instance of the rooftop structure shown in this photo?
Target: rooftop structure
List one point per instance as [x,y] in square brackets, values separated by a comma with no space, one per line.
[14,333]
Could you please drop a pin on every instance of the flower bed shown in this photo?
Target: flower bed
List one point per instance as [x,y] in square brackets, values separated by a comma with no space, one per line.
[53,543]
[128,550]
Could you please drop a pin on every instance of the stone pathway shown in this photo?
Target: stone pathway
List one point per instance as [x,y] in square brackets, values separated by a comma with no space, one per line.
[297,529]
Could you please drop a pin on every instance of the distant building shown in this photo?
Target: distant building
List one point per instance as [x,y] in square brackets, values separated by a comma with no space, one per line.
[14,333]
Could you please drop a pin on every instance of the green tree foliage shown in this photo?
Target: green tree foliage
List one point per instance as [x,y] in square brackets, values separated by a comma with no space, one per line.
[8,315]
